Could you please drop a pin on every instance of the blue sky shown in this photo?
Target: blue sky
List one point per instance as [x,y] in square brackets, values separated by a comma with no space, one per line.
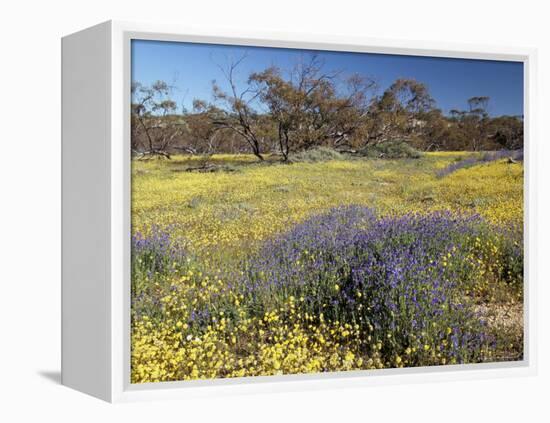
[190,68]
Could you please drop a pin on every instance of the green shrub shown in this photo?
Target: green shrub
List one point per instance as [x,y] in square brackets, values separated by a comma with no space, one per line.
[318,154]
[391,150]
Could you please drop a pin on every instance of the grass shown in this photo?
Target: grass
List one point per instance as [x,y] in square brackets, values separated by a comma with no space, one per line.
[221,221]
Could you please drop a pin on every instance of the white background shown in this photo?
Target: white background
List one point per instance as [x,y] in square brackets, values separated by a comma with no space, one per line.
[30,207]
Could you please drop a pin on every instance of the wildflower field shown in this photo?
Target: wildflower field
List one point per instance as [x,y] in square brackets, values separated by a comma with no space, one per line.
[348,264]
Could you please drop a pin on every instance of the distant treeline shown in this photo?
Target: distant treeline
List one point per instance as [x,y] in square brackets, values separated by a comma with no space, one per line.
[282,113]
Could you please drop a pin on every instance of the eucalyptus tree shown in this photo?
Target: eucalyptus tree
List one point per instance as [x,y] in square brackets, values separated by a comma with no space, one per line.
[309,107]
[238,103]
[401,111]
[156,125]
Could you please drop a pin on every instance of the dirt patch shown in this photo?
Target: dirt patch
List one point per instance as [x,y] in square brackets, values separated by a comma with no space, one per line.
[505,322]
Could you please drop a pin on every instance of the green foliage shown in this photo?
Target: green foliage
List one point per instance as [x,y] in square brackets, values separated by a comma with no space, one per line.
[315,155]
[391,150]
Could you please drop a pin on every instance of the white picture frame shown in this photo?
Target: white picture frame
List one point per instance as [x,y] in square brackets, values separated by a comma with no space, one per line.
[96,213]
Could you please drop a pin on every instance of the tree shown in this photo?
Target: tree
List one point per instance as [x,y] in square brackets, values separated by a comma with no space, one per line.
[400,111]
[479,106]
[473,123]
[307,108]
[154,117]
[507,132]
[436,132]
[282,102]
[239,115]
[204,133]
[347,112]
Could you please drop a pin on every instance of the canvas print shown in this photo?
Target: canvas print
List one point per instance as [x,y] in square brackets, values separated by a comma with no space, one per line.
[298,211]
